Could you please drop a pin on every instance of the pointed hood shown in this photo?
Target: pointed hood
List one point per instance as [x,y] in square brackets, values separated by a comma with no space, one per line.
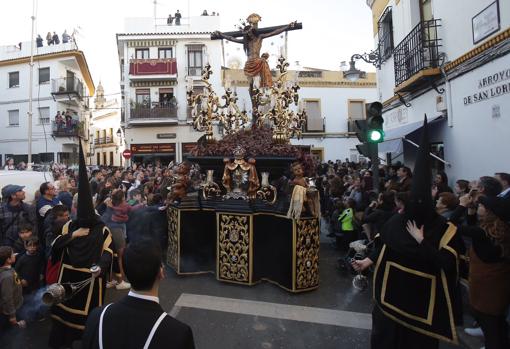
[86,216]
[421,205]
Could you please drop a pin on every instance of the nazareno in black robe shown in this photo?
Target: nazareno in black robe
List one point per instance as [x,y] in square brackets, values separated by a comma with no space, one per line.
[414,286]
[77,256]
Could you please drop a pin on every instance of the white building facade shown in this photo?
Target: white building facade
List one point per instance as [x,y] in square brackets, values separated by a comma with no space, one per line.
[155,61]
[61,84]
[105,134]
[449,60]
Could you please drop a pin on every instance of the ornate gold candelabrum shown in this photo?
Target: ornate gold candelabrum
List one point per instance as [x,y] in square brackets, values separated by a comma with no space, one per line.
[207,109]
[267,192]
[274,106]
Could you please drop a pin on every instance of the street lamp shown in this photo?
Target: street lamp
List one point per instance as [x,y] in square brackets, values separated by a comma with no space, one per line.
[353,74]
[119,135]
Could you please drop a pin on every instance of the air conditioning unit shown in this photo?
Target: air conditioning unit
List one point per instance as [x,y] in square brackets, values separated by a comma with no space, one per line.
[440,103]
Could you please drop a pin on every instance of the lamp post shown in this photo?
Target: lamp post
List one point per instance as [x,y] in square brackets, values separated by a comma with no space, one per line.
[353,74]
[119,135]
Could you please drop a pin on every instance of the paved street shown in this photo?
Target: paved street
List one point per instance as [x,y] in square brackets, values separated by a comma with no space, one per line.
[263,316]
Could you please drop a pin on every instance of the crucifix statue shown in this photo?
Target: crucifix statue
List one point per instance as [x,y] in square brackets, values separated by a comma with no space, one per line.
[256,66]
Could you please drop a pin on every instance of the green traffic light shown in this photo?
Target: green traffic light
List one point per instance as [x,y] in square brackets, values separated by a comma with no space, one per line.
[375,136]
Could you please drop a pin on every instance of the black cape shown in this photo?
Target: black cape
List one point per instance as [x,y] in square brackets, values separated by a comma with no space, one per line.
[414,284]
[77,256]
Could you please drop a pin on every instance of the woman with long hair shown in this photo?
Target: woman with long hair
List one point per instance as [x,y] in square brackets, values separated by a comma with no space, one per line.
[489,265]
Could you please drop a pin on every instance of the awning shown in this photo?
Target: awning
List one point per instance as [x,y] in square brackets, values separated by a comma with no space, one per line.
[393,138]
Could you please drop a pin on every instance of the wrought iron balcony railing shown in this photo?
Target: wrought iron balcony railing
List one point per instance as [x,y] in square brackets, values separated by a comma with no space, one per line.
[159,112]
[67,86]
[418,51]
[63,129]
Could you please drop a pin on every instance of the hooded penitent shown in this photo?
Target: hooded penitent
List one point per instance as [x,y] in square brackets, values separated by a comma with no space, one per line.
[424,306]
[86,252]
[86,215]
[77,256]
[421,205]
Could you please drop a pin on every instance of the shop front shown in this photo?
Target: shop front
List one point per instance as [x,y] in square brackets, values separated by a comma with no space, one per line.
[186,148]
[153,153]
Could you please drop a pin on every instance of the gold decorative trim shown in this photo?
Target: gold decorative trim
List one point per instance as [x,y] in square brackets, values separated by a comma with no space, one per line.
[306,253]
[67,323]
[376,269]
[173,253]
[234,247]
[450,307]
[294,238]
[89,296]
[454,339]
[432,298]
[493,41]
[151,43]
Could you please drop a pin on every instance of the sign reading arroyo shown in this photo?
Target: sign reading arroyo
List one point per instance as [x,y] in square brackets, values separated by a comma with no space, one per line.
[490,86]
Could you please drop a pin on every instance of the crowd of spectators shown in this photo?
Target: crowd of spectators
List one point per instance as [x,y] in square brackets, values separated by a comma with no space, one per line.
[480,209]
[132,201]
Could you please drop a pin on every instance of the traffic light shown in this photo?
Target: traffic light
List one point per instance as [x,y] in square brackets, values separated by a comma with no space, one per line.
[375,133]
[362,134]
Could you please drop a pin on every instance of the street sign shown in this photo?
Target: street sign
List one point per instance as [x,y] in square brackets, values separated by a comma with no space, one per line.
[126,154]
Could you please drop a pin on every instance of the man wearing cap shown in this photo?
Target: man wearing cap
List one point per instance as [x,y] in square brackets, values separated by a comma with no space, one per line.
[14,213]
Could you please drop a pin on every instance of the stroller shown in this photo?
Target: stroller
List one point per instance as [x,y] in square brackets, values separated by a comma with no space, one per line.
[358,250]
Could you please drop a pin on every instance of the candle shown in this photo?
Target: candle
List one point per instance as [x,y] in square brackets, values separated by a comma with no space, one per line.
[228,83]
[300,106]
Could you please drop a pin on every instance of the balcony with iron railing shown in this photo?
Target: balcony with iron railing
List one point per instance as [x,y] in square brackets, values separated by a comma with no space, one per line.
[68,87]
[416,57]
[66,129]
[159,112]
[148,67]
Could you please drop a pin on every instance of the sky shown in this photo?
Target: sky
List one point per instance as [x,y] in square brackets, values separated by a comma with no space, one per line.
[332,29]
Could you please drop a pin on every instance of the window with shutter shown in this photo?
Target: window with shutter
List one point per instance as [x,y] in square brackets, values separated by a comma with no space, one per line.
[314,120]
[195,59]
[13,117]
[44,115]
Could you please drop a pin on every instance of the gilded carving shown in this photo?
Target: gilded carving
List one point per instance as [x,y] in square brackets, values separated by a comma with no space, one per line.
[173,238]
[234,248]
[307,253]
